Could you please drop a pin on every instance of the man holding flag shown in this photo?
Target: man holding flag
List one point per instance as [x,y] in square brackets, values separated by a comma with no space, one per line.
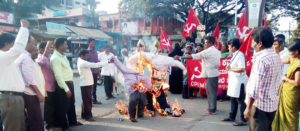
[237,79]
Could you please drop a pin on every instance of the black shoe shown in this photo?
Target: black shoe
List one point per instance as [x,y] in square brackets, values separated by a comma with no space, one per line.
[240,123]
[90,119]
[76,124]
[141,116]
[112,97]
[228,120]
[133,120]
[97,102]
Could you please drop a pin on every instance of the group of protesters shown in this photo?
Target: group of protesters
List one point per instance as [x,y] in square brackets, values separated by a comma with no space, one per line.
[36,80]
[268,97]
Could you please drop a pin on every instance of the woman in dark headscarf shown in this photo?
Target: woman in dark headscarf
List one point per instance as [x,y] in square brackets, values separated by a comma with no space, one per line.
[176,77]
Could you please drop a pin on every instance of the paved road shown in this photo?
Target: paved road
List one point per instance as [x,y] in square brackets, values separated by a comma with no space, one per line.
[193,120]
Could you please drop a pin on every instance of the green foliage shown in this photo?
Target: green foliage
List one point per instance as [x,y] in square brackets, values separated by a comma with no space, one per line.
[156,8]
[26,8]
[209,11]
[92,6]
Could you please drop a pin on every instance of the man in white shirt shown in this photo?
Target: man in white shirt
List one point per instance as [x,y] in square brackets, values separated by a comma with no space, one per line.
[32,95]
[210,70]
[107,72]
[278,46]
[237,79]
[86,83]
[11,82]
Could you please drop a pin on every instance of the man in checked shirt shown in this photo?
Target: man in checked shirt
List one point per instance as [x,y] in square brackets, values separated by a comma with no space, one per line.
[262,87]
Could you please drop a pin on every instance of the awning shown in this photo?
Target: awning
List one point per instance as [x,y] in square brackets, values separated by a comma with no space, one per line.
[46,35]
[89,33]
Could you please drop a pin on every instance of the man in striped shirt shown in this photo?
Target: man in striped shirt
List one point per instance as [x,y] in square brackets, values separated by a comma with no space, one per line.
[263,84]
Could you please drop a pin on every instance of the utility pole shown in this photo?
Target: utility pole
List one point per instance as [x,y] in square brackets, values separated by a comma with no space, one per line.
[235,12]
[289,32]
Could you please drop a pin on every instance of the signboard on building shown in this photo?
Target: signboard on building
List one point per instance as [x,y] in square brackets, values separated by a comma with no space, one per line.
[130,28]
[54,28]
[254,12]
[8,28]
[7,18]
[231,32]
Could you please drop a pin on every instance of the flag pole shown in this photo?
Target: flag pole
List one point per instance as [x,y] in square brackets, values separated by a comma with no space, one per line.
[233,58]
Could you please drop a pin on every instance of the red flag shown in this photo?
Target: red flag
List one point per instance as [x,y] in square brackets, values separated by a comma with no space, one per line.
[218,42]
[246,49]
[191,23]
[165,42]
[242,30]
[265,22]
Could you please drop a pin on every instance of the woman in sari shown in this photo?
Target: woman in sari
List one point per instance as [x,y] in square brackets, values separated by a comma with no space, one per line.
[287,115]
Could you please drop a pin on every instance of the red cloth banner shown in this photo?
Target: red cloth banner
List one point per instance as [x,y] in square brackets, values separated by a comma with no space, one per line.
[194,70]
[165,42]
[218,41]
[246,49]
[191,23]
[242,31]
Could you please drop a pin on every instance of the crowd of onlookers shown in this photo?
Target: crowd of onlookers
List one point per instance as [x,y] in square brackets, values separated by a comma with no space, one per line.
[36,82]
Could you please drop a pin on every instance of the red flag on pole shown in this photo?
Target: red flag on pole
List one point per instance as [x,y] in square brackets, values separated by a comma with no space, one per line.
[191,23]
[242,30]
[165,42]
[218,41]
[246,49]
[265,22]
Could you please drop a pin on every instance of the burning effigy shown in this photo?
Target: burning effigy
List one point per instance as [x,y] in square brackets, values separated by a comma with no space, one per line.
[135,85]
[147,94]
[156,65]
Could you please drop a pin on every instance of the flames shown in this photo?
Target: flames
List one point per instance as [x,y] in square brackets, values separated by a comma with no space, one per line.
[143,62]
[158,79]
[177,110]
[140,86]
[122,107]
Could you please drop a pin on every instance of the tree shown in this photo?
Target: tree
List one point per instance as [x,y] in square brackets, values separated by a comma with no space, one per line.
[26,8]
[212,11]
[157,8]
[92,7]
[296,32]
[209,11]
